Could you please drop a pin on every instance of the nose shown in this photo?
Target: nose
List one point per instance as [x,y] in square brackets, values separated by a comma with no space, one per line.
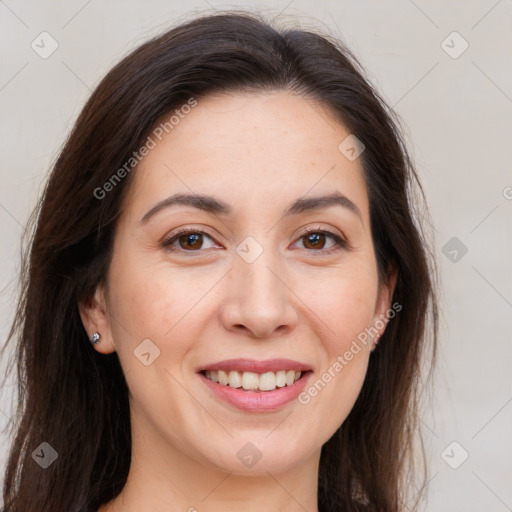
[258,301]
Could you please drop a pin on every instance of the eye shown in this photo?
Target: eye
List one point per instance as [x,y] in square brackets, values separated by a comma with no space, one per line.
[315,239]
[188,240]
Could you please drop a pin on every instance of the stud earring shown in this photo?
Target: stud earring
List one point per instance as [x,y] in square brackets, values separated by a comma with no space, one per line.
[95,338]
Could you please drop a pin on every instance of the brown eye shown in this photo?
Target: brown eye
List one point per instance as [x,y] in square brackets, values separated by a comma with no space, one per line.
[187,241]
[316,240]
[192,241]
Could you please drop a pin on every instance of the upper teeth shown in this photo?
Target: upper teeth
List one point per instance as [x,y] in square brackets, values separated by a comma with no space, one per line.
[249,380]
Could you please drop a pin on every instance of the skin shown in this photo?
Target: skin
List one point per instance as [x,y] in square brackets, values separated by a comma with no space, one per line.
[258,153]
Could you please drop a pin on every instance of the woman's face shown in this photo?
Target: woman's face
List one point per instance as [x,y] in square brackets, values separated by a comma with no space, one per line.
[242,288]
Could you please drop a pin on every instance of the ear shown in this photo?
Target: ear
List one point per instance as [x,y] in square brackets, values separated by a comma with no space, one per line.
[383,304]
[96,318]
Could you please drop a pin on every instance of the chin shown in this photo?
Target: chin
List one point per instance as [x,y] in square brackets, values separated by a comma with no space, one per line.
[258,458]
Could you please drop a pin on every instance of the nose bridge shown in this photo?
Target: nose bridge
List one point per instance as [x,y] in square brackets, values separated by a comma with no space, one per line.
[259,299]
[260,276]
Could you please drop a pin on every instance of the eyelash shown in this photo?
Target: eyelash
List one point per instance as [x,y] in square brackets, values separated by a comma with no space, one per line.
[340,242]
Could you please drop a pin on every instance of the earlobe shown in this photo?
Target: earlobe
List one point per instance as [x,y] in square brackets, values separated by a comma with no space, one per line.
[96,321]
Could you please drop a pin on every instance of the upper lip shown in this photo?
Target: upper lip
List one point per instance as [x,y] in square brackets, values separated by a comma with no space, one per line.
[252,365]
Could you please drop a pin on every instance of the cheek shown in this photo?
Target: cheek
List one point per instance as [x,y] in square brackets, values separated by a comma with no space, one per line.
[345,309]
[343,300]
[343,303]
[348,312]
[156,301]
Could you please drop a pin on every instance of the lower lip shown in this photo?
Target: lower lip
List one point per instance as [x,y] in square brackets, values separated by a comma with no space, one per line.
[257,401]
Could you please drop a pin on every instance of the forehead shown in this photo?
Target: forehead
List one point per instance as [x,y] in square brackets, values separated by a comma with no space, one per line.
[250,149]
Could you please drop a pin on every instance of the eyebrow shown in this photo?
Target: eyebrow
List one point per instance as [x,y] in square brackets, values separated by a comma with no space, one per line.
[213,205]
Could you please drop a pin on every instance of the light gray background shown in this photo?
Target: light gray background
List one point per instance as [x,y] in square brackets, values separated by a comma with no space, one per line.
[457,113]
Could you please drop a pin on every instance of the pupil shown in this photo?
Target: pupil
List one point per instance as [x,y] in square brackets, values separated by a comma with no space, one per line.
[314,239]
[191,239]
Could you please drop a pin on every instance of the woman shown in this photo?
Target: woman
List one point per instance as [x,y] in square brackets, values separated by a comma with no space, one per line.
[225,301]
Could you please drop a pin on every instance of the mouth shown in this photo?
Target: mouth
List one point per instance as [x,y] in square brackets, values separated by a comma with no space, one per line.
[256,386]
[252,381]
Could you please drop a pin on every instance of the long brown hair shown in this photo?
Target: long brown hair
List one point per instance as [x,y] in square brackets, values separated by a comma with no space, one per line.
[75,398]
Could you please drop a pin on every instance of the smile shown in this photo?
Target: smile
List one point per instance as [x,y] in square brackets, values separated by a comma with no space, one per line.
[255,386]
[250,381]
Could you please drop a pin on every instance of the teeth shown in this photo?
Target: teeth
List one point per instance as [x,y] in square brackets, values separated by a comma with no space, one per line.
[267,381]
[213,376]
[235,380]
[223,377]
[281,379]
[250,380]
